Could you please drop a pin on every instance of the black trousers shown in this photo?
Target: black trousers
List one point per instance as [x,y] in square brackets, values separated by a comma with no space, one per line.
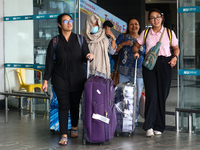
[157,84]
[68,101]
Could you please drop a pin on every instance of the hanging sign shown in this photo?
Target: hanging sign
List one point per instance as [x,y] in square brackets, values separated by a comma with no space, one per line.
[192,9]
[16,65]
[189,72]
[91,8]
[35,17]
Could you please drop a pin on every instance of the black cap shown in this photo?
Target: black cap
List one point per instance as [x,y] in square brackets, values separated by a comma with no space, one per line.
[107,23]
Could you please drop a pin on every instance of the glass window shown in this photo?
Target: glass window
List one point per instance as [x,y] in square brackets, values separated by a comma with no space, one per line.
[46,29]
[189,27]
[26,37]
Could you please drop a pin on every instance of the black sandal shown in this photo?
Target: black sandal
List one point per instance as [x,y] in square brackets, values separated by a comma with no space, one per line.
[74,133]
[65,141]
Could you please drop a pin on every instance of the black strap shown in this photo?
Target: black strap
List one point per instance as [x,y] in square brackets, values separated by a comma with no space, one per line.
[55,41]
[80,40]
[119,54]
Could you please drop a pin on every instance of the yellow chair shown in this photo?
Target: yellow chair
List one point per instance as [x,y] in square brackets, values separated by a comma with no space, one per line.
[21,73]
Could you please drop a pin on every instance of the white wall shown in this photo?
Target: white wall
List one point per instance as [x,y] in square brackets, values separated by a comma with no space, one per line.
[1,50]
[18,39]
[18,7]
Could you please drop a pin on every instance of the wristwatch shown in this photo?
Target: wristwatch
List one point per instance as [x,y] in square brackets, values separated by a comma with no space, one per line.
[114,39]
[176,56]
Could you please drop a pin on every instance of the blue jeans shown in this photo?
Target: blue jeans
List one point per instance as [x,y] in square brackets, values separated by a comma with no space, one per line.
[139,84]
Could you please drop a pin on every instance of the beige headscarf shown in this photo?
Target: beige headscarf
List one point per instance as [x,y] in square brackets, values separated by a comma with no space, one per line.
[98,45]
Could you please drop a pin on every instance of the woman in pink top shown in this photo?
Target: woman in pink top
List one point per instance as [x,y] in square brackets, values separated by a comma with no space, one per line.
[157,81]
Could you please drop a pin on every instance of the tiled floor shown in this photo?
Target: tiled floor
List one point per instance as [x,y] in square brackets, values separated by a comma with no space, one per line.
[25,131]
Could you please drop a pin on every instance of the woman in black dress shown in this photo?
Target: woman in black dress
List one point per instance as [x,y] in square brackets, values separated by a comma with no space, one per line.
[67,73]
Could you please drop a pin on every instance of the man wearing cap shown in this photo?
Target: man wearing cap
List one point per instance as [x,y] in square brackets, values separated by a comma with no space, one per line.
[107,25]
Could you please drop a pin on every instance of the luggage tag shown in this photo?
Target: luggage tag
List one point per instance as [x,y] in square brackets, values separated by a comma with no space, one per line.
[101,118]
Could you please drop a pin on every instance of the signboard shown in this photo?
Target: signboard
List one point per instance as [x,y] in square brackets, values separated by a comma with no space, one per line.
[13,18]
[91,8]
[15,65]
[35,17]
[191,9]
[189,72]
[86,7]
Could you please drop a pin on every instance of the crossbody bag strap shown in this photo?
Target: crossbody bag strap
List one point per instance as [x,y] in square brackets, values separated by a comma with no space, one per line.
[55,42]
[162,35]
[120,54]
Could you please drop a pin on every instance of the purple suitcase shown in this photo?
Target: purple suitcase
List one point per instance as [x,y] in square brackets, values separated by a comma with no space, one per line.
[99,100]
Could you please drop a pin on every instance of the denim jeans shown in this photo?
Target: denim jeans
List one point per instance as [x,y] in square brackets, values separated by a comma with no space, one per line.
[139,84]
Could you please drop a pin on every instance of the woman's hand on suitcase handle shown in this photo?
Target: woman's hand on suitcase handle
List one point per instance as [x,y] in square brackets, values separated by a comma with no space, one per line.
[136,47]
[44,86]
[136,55]
[90,56]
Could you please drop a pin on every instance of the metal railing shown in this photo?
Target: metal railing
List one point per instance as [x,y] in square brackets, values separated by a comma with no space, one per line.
[26,94]
[190,112]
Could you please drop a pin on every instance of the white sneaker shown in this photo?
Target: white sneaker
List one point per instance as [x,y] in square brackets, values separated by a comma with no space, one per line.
[157,132]
[150,132]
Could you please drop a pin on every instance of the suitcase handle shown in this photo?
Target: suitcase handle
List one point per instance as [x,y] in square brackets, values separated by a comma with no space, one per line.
[135,71]
[88,67]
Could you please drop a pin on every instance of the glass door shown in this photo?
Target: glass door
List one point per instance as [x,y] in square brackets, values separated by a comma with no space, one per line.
[46,27]
[45,14]
[189,72]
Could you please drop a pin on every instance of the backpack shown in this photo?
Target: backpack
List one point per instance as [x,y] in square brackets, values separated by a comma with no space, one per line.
[169,32]
[55,42]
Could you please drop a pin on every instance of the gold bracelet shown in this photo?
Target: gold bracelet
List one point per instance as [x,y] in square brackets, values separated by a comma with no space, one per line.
[120,46]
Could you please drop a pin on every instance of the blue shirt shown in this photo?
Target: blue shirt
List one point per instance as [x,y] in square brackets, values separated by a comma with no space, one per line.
[111,51]
[127,61]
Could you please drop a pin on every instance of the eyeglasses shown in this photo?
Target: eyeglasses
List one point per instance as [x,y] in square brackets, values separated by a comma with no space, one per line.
[66,21]
[156,18]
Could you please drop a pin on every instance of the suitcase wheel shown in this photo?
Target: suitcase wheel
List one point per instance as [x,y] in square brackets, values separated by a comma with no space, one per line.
[83,138]
[101,144]
[52,132]
[84,142]
[117,134]
[129,134]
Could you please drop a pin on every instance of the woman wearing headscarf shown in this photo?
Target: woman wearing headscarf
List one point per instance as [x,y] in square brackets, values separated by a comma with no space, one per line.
[98,44]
